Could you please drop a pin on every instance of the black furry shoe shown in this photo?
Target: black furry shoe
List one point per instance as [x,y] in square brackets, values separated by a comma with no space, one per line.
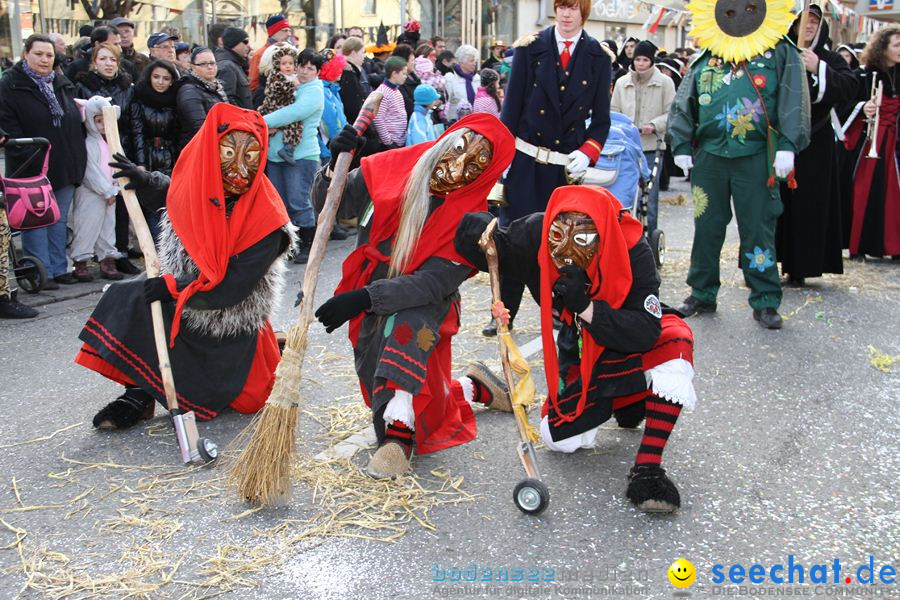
[651,491]
[631,416]
[126,411]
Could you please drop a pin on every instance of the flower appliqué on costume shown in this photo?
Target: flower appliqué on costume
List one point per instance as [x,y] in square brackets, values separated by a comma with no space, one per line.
[759,80]
[760,259]
[403,333]
[727,116]
[701,200]
[741,126]
[425,339]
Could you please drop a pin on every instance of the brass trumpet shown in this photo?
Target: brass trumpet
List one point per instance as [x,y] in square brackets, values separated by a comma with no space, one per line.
[872,131]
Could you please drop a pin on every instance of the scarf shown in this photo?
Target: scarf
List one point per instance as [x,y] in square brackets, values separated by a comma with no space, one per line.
[214,86]
[618,232]
[196,202]
[380,172]
[470,91]
[45,85]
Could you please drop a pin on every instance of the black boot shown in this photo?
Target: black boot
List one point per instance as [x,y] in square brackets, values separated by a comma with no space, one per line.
[123,265]
[307,234]
[651,491]
[11,308]
[126,410]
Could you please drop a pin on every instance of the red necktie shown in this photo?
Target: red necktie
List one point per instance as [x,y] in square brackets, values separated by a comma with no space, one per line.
[565,56]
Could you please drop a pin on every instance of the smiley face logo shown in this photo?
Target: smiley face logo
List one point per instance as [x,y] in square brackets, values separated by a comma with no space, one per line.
[682,573]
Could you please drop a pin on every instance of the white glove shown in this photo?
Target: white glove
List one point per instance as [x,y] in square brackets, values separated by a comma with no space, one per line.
[685,162]
[578,164]
[784,163]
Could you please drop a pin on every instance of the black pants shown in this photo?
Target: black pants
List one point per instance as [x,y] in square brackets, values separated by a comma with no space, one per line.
[121,225]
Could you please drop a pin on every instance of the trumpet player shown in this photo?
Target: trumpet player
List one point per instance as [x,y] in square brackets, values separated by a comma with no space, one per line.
[807,239]
[875,224]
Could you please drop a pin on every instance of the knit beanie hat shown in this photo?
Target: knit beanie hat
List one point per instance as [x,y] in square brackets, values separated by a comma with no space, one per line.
[645,49]
[276,23]
[232,36]
[424,95]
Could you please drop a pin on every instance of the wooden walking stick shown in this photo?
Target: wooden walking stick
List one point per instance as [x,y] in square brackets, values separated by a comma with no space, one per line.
[531,495]
[801,28]
[262,471]
[192,446]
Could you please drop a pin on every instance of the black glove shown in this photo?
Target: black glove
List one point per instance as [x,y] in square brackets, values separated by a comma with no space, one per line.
[346,141]
[138,177]
[155,288]
[341,308]
[573,288]
[468,233]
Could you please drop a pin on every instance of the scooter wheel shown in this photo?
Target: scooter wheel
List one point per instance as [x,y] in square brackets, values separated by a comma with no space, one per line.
[208,449]
[531,496]
[658,246]
[31,274]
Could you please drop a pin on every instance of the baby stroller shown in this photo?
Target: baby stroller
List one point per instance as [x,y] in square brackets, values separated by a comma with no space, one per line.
[622,169]
[30,272]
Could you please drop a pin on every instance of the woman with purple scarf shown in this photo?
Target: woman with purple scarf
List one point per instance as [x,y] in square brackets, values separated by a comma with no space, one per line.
[35,101]
[462,82]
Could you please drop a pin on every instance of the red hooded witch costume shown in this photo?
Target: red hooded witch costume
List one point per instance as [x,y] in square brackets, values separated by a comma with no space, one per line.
[403,342]
[616,377]
[220,259]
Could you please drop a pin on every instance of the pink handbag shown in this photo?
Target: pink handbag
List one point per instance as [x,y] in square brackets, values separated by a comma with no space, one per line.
[30,203]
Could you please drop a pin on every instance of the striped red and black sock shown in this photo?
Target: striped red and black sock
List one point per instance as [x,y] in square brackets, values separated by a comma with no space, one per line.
[482,394]
[397,431]
[661,418]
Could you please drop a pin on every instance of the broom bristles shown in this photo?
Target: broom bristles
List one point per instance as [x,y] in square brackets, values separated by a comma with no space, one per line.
[262,470]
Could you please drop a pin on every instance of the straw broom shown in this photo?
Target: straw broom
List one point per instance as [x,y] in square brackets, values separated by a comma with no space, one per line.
[262,471]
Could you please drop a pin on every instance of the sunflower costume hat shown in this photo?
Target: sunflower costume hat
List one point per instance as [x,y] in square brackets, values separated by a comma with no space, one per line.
[738,30]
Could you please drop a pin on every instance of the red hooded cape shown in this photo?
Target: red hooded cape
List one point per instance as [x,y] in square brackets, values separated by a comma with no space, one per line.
[386,175]
[196,202]
[618,232]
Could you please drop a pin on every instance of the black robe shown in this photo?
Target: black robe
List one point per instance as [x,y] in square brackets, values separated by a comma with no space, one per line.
[808,235]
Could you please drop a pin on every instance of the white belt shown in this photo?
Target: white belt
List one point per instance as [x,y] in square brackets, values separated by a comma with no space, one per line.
[541,155]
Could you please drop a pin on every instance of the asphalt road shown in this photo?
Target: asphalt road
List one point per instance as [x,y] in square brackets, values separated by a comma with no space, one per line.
[792,450]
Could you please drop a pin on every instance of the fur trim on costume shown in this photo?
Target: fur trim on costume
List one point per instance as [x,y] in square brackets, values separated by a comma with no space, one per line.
[244,318]
[651,490]
[400,408]
[525,40]
[673,380]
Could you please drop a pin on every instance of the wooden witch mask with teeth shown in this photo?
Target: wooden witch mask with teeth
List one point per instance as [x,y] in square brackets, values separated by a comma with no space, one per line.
[573,240]
[462,164]
[239,153]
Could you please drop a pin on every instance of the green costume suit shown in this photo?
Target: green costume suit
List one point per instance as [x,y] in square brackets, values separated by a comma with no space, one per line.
[726,112]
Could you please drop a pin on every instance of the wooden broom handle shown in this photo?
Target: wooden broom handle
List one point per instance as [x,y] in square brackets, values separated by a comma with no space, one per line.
[489,247]
[151,260]
[801,28]
[329,211]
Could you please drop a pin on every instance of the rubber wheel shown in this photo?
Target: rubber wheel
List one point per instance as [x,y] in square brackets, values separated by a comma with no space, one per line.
[531,496]
[658,246]
[208,449]
[31,274]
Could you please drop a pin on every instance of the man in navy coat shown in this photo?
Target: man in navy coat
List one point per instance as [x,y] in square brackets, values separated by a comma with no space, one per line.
[559,79]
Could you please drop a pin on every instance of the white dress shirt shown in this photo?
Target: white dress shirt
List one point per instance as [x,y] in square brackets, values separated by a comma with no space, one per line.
[560,45]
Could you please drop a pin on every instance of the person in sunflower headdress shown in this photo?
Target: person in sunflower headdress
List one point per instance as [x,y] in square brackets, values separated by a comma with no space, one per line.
[744,108]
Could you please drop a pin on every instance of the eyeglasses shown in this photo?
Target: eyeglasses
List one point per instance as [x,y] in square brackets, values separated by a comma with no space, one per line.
[204,64]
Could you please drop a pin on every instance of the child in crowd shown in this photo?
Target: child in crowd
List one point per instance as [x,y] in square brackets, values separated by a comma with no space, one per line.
[487,98]
[279,65]
[421,126]
[94,215]
[390,122]
[333,118]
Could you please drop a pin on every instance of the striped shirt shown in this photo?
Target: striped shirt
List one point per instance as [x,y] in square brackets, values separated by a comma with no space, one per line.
[485,103]
[390,122]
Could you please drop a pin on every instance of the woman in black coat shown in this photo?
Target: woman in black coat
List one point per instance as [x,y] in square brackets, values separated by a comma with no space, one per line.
[106,78]
[197,92]
[35,101]
[153,120]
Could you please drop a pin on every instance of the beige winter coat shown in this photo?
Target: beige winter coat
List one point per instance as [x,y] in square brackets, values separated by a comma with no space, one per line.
[645,99]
